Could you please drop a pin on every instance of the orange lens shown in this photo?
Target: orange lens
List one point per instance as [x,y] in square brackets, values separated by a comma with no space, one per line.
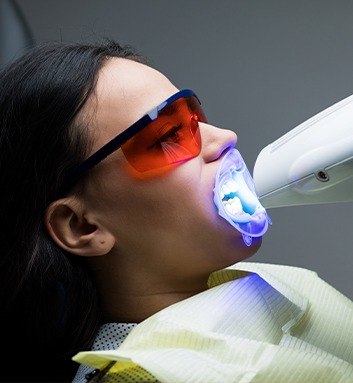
[174,136]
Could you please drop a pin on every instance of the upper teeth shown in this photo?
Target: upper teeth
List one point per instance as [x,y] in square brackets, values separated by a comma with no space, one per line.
[230,187]
[232,204]
[233,186]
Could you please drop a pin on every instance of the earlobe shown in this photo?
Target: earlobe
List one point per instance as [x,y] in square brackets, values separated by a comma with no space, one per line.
[69,228]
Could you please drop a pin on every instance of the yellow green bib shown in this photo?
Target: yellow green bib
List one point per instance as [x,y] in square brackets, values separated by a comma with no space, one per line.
[256,323]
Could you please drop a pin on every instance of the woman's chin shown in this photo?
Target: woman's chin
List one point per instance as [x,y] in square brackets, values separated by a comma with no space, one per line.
[244,251]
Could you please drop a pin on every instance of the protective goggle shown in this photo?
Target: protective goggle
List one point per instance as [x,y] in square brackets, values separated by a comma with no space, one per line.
[168,134]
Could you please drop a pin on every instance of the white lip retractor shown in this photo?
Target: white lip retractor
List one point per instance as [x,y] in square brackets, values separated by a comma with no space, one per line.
[236,200]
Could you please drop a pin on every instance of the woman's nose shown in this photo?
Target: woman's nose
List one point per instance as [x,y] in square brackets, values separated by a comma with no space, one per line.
[215,141]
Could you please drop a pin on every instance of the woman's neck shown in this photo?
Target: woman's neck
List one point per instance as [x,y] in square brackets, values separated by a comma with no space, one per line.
[132,294]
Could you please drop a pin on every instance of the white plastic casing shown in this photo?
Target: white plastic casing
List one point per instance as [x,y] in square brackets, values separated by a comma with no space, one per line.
[313,163]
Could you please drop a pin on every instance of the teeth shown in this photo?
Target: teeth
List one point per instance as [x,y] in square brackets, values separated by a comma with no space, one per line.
[233,206]
[231,209]
[232,185]
[236,204]
[225,189]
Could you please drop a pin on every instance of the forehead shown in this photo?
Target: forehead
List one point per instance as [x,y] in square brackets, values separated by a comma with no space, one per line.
[125,91]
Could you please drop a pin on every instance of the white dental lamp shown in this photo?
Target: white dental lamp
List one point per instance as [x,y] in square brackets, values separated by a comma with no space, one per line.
[312,163]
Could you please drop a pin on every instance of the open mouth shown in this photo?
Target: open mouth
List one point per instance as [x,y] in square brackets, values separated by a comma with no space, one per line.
[236,200]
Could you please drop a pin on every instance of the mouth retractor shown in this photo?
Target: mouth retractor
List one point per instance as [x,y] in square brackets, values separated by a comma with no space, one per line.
[236,200]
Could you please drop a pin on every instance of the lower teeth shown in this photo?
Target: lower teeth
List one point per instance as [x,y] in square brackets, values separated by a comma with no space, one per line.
[233,206]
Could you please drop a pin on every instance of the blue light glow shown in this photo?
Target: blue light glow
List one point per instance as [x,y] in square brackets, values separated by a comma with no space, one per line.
[234,183]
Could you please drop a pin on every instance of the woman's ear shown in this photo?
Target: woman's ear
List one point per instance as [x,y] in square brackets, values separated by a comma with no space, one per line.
[70,229]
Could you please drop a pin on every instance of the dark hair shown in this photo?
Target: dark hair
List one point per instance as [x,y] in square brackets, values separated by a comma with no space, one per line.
[49,303]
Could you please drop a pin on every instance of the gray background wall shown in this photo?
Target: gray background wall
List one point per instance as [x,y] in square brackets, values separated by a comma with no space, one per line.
[261,67]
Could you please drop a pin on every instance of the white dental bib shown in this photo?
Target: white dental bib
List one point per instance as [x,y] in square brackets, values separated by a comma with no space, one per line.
[256,323]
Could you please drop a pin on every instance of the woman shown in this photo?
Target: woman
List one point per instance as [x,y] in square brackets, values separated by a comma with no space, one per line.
[113,237]
[59,103]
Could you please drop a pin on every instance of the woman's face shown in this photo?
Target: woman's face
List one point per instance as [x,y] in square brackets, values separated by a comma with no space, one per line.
[168,220]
